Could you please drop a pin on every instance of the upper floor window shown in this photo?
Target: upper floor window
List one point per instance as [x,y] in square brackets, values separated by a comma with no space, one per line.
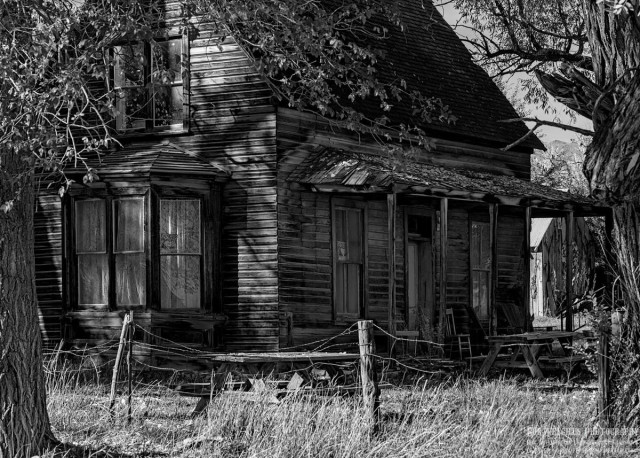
[150,85]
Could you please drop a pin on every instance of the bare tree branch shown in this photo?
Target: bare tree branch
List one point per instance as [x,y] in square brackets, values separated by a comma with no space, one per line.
[543,122]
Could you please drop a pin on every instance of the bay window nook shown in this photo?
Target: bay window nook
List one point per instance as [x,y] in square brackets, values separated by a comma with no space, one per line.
[149,242]
[112,253]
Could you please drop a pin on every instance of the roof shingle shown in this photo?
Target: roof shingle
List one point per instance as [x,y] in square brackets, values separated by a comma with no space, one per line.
[335,169]
[431,58]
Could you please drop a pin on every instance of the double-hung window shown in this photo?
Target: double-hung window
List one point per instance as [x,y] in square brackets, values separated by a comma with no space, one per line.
[480,268]
[110,250]
[349,259]
[149,82]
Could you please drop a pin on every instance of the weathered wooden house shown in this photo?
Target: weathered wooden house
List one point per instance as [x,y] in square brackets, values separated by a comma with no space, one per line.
[225,216]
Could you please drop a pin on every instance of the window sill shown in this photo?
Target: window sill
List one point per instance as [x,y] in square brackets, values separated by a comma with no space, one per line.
[152,134]
[346,320]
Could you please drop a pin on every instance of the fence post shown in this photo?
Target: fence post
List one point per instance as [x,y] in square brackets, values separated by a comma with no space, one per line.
[603,377]
[129,364]
[116,366]
[368,375]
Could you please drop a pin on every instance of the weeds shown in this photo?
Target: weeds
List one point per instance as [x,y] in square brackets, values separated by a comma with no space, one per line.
[465,417]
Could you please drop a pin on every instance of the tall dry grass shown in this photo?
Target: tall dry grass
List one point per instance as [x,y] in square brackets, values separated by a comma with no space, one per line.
[462,417]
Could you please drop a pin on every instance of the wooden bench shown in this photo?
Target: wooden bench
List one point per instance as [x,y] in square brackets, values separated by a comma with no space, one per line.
[260,390]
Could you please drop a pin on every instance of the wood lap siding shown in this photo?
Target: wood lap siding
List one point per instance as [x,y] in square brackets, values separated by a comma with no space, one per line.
[48,263]
[276,237]
[304,226]
[233,122]
[304,241]
[509,293]
[458,263]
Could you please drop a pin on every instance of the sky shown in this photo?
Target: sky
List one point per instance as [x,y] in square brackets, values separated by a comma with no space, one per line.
[547,134]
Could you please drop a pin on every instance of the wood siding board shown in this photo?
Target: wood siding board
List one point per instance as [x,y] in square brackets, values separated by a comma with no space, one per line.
[48,256]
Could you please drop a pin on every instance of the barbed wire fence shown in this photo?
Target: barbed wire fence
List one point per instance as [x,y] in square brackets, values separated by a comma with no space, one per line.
[96,360]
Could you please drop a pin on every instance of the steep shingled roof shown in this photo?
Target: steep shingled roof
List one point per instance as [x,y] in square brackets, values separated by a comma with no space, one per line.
[430,57]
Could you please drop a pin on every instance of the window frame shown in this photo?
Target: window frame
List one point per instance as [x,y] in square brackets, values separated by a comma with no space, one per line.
[158,197]
[210,290]
[72,279]
[340,317]
[148,87]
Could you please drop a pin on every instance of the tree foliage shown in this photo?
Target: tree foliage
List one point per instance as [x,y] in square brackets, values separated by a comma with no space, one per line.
[322,55]
[560,167]
[586,54]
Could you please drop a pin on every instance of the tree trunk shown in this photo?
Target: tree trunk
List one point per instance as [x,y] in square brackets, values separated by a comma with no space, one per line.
[612,165]
[24,422]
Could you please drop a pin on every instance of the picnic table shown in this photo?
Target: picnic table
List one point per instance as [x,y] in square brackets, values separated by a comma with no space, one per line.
[534,347]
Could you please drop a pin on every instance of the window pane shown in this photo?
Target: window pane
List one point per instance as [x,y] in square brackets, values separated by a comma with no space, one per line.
[348,289]
[480,249]
[349,235]
[167,62]
[180,227]
[475,245]
[129,65]
[93,279]
[413,279]
[342,244]
[91,226]
[180,282]
[167,105]
[131,279]
[354,229]
[485,250]
[128,225]
[353,287]
[131,105]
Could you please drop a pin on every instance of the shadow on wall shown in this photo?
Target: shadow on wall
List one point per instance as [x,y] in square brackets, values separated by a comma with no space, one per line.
[48,255]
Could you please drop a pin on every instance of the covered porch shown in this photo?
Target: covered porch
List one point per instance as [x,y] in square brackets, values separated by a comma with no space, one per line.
[460,239]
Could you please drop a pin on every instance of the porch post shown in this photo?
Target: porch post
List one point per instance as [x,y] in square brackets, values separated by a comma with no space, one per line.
[392,203]
[527,269]
[444,210]
[493,283]
[569,270]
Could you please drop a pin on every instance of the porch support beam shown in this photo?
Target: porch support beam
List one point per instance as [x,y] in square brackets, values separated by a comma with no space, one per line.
[444,217]
[493,283]
[569,221]
[392,203]
[527,269]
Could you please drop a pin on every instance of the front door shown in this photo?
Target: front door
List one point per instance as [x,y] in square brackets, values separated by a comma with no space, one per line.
[419,279]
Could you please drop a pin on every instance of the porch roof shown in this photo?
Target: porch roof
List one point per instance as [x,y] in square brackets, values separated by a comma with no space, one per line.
[334,170]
